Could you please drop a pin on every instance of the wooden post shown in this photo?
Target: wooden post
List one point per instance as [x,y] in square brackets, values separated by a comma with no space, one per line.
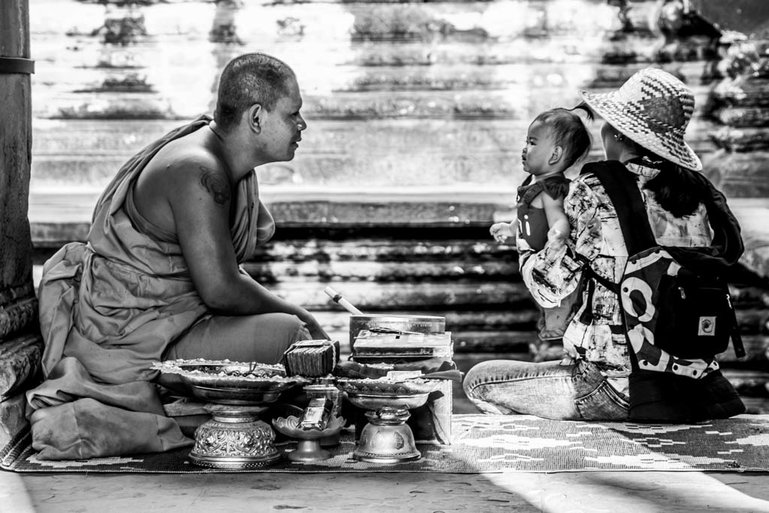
[16,288]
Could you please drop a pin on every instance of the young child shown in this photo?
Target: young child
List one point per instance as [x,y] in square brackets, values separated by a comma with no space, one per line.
[556,139]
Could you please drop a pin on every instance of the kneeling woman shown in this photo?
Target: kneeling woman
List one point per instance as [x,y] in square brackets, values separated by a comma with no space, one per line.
[644,125]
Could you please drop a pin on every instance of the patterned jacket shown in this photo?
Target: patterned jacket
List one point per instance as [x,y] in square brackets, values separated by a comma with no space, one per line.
[596,235]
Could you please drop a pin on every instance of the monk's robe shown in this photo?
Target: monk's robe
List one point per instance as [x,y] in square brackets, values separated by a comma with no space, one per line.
[112,306]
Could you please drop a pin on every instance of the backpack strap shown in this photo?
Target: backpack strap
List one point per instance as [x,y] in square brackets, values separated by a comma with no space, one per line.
[621,187]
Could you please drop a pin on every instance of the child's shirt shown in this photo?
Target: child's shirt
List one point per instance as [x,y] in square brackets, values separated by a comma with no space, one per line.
[532,221]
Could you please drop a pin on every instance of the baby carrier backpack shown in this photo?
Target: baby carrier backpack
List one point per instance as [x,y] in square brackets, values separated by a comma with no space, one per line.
[676,307]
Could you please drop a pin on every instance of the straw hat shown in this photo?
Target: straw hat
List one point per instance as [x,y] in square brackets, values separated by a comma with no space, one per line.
[652,109]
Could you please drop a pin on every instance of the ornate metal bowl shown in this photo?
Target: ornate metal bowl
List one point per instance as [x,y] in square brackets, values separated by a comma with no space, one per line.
[234,438]
[386,438]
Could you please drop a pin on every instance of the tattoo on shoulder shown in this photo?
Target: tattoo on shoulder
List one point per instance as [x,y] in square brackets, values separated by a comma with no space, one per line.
[215,185]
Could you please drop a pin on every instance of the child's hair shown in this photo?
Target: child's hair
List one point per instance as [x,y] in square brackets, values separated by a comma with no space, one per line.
[569,131]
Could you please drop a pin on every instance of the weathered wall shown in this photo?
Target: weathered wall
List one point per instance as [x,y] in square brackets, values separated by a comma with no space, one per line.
[398,96]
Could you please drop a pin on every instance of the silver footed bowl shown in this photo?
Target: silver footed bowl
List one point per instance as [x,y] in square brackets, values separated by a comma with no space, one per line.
[373,394]
[226,382]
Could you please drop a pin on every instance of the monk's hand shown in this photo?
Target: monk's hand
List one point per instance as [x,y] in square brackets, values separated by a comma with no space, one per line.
[316,331]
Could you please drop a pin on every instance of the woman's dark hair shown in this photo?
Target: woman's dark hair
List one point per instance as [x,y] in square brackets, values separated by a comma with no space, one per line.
[675,188]
[248,79]
[569,131]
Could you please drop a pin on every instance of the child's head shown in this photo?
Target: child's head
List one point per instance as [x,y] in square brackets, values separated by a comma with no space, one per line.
[556,139]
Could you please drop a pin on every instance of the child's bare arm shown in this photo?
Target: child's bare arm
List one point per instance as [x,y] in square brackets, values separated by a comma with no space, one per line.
[556,219]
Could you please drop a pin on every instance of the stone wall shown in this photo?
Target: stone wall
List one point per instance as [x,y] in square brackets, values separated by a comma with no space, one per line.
[406,95]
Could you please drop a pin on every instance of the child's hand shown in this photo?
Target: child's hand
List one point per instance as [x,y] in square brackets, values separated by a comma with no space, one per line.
[556,239]
[501,231]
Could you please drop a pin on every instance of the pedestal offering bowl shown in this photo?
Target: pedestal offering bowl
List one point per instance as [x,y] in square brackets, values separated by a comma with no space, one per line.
[386,438]
[236,393]
[308,448]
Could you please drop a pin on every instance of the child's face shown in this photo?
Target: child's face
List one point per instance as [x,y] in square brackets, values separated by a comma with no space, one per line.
[538,150]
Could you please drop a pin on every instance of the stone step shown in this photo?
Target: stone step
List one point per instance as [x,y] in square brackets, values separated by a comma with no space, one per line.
[756,347]
[85,138]
[456,320]
[756,405]
[743,117]
[743,92]
[334,170]
[375,297]
[749,383]
[523,102]
[404,67]
[346,271]
[389,245]
[740,139]
[91,138]
[69,155]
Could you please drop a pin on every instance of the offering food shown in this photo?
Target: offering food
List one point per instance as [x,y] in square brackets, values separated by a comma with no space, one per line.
[387,386]
[226,382]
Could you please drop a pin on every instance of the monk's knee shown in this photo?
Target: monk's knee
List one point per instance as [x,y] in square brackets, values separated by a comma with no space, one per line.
[290,329]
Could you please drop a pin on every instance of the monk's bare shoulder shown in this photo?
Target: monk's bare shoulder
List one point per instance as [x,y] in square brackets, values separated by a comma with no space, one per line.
[184,175]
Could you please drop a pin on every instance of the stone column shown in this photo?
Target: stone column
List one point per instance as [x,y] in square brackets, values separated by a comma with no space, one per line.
[20,343]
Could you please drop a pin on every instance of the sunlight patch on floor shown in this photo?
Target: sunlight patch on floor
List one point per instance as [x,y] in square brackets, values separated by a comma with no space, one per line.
[639,492]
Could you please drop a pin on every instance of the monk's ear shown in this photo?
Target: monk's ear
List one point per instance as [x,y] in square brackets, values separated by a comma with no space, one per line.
[255,117]
[556,155]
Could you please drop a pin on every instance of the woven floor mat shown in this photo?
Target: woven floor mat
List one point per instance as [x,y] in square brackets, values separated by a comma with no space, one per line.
[491,443]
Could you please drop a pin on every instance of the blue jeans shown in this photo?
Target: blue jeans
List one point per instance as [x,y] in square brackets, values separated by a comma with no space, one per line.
[566,390]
